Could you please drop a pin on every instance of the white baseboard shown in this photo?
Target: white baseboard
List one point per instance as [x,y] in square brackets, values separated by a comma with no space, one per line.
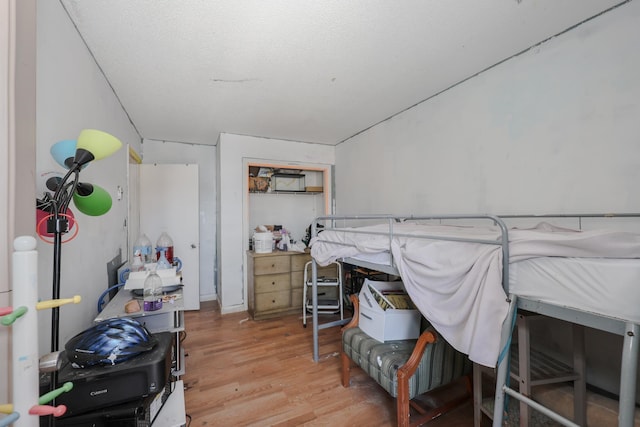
[232,309]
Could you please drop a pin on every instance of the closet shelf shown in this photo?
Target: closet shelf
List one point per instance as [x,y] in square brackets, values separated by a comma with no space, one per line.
[270,193]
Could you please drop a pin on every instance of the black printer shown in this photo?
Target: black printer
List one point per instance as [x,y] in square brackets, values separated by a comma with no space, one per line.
[136,413]
[147,374]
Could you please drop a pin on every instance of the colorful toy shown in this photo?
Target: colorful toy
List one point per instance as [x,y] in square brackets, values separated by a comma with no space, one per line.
[8,319]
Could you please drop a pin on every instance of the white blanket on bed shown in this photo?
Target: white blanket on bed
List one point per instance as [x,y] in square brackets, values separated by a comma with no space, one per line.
[458,285]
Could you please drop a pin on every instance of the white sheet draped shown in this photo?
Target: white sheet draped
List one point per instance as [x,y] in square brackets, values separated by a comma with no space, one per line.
[458,285]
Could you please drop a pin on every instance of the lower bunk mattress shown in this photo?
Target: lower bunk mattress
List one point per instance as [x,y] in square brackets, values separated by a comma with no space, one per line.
[607,287]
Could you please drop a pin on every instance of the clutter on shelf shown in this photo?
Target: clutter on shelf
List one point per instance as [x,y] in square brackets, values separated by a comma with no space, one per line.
[267,238]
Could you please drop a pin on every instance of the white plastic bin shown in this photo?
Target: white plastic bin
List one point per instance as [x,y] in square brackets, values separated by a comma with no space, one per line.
[263,242]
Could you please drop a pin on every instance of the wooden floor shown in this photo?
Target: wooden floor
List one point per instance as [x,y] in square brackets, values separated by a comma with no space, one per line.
[241,372]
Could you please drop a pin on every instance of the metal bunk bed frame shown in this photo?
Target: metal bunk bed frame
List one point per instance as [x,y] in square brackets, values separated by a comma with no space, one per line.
[390,268]
[628,330]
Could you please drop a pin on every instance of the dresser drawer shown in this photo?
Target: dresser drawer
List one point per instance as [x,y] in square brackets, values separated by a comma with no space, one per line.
[272,283]
[296,298]
[273,300]
[271,265]
[298,261]
[297,277]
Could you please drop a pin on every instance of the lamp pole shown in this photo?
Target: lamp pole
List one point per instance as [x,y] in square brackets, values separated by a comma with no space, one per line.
[61,225]
[58,224]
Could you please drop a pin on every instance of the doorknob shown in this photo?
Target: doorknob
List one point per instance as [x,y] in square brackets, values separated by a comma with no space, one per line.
[193,246]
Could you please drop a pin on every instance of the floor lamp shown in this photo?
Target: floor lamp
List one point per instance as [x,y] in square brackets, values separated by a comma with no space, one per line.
[89,199]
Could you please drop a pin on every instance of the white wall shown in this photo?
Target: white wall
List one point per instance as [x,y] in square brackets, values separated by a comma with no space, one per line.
[205,157]
[232,199]
[72,94]
[553,130]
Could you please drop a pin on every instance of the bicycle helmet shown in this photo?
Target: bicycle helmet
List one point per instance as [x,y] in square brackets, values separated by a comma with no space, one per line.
[109,342]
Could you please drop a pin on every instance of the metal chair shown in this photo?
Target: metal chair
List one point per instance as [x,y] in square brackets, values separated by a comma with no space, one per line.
[326,305]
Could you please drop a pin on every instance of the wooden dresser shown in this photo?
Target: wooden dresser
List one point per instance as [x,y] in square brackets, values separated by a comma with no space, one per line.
[274,283]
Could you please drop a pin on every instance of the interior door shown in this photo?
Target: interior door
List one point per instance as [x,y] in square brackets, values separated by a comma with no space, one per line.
[169,203]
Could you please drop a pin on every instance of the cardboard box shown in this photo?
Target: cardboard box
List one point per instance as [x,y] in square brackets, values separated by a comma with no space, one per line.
[390,324]
[258,184]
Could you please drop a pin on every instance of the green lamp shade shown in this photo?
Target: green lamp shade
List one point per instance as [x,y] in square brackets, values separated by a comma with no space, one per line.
[95,145]
[91,199]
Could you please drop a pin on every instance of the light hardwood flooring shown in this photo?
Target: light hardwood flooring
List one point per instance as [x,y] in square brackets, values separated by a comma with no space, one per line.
[241,372]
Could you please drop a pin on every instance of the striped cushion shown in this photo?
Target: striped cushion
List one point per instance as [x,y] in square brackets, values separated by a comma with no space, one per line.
[440,363]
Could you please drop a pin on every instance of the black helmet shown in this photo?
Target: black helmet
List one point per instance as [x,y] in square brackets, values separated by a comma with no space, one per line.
[109,342]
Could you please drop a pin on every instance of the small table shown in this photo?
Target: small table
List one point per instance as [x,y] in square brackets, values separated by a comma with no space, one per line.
[170,318]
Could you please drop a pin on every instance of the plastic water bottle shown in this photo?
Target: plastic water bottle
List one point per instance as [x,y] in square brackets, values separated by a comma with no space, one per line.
[163,263]
[152,293]
[143,247]
[137,264]
[165,243]
[284,242]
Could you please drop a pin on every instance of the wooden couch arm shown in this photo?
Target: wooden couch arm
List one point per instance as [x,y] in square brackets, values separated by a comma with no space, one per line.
[356,312]
[407,370]
[404,373]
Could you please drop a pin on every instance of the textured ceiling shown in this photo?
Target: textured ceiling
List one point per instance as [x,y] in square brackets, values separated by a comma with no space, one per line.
[304,70]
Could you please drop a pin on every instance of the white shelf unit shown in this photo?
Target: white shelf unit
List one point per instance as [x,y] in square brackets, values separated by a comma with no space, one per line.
[170,318]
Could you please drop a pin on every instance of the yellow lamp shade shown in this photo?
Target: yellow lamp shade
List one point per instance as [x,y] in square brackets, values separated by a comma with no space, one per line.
[95,145]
